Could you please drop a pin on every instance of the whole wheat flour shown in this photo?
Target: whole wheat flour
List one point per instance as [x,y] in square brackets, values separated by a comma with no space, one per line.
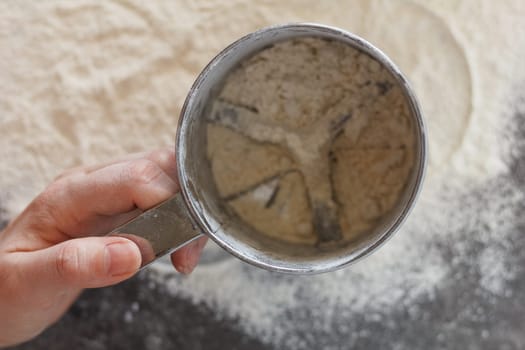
[309,128]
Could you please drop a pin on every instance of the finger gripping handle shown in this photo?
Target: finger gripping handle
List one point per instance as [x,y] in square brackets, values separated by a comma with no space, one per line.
[160,230]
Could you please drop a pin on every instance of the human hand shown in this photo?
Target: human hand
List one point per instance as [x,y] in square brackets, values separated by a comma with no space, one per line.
[50,252]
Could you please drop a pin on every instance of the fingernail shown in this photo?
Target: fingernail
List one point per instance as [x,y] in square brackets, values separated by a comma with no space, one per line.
[187,265]
[121,258]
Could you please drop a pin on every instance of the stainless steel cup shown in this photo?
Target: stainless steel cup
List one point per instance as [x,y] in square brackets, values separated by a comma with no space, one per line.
[198,210]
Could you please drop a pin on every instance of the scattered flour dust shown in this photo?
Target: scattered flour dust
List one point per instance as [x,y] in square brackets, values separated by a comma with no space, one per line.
[86,81]
[406,270]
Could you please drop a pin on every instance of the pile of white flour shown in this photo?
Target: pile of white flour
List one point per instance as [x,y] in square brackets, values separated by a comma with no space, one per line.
[86,81]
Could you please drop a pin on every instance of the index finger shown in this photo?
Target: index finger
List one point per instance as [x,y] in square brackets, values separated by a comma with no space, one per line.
[79,204]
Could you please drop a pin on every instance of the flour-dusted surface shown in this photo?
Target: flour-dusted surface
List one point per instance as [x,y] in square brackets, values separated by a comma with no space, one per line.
[86,81]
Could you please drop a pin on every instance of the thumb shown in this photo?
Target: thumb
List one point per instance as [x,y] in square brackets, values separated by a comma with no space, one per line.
[88,262]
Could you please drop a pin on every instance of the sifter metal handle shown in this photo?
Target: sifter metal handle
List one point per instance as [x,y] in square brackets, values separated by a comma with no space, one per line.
[160,230]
